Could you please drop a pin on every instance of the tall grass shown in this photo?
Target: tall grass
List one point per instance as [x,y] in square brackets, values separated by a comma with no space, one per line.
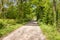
[50,32]
[8,25]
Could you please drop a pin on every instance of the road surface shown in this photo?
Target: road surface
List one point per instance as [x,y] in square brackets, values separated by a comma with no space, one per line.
[30,31]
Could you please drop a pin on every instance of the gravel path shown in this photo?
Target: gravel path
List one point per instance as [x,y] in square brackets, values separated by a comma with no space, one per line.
[30,31]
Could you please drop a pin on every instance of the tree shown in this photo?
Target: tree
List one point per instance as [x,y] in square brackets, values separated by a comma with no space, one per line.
[54,11]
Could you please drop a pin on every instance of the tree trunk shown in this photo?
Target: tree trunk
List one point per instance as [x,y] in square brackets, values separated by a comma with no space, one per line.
[54,11]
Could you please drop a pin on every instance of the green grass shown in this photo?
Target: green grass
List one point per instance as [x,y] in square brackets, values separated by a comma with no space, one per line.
[8,29]
[50,32]
[8,25]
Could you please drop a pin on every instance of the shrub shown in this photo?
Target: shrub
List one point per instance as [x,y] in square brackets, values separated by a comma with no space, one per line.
[1,25]
[11,21]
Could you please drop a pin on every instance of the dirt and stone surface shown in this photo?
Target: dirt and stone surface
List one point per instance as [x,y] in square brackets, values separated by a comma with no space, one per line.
[30,31]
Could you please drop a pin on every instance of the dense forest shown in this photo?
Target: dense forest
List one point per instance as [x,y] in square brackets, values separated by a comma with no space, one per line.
[14,13]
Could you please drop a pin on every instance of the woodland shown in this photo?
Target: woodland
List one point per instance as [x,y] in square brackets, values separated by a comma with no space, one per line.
[15,13]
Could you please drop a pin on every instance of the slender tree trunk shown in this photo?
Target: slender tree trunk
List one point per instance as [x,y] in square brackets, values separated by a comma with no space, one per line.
[2,8]
[2,5]
[54,11]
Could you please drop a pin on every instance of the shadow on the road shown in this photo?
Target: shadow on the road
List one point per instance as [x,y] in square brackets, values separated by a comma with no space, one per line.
[32,23]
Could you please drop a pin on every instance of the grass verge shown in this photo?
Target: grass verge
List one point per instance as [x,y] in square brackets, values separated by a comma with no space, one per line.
[8,25]
[50,32]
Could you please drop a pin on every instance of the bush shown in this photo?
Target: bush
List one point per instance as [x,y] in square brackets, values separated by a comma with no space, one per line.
[11,21]
[1,25]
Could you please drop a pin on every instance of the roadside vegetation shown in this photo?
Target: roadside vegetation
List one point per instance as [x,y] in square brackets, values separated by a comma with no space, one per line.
[13,14]
[50,32]
[49,18]
[8,25]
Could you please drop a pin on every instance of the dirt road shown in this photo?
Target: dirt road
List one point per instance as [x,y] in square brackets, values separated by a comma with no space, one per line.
[30,31]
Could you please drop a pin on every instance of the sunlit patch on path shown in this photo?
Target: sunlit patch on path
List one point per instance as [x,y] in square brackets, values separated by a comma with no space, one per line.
[30,31]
